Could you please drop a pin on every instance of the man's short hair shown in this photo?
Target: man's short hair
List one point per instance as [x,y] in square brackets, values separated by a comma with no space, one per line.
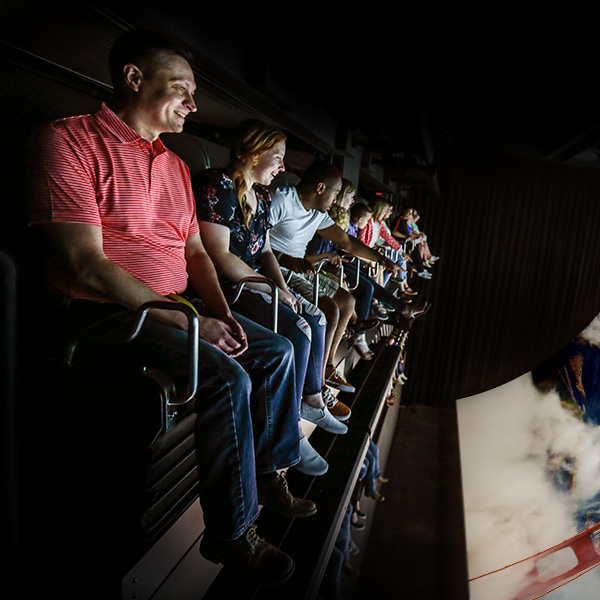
[319,172]
[143,48]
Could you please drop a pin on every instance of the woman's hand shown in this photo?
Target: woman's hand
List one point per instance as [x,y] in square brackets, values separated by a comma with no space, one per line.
[287,298]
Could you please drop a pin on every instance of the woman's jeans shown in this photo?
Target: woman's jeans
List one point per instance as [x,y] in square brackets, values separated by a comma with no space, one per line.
[306,332]
[247,412]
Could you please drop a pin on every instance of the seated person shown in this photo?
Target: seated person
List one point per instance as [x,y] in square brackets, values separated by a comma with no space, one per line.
[319,247]
[360,214]
[376,234]
[233,208]
[426,255]
[403,231]
[116,211]
[297,213]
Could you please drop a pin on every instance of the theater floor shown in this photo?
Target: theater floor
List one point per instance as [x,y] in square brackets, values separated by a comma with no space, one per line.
[416,543]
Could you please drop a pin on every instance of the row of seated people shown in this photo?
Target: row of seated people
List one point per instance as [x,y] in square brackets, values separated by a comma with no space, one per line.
[377,291]
[123,224]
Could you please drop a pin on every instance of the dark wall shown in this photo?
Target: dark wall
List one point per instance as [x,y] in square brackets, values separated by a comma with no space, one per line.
[518,277]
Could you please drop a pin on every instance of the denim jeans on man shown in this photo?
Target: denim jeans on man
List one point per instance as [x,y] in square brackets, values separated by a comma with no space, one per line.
[247,410]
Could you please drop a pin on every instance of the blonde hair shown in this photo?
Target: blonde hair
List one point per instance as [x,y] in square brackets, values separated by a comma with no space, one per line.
[347,188]
[340,216]
[249,138]
[379,207]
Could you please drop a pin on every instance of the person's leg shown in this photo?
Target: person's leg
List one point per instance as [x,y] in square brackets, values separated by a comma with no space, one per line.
[306,332]
[332,314]
[345,303]
[363,292]
[226,470]
[225,461]
[269,361]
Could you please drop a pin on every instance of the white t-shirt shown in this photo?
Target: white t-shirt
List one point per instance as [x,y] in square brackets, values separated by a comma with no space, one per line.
[292,225]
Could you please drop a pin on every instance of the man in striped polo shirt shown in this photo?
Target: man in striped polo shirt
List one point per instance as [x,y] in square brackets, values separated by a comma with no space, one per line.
[116,209]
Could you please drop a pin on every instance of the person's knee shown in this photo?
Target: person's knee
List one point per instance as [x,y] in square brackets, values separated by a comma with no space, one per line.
[282,347]
[345,301]
[330,308]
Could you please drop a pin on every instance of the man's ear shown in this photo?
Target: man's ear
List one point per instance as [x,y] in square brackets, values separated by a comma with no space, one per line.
[133,77]
[321,187]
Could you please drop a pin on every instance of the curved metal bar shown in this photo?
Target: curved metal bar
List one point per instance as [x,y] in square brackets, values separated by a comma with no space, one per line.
[193,344]
[356,275]
[140,317]
[274,295]
[318,267]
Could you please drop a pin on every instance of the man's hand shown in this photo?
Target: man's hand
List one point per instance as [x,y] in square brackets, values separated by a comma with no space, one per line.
[298,265]
[226,335]
[390,265]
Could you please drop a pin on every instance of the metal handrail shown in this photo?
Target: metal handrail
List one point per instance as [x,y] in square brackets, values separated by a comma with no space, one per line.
[356,275]
[274,295]
[193,345]
[318,267]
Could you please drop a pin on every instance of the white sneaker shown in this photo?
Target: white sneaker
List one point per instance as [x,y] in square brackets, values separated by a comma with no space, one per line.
[322,418]
[311,462]
[424,274]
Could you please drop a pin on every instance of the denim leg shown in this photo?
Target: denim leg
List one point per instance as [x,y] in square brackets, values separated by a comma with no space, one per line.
[331,583]
[247,415]
[372,471]
[225,430]
[306,332]
[342,542]
[269,361]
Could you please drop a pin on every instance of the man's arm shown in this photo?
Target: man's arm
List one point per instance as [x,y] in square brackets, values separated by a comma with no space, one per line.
[355,247]
[78,249]
[205,282]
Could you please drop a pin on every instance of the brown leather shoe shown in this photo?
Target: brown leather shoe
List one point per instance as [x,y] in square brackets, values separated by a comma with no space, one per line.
[251,558]
[275,496]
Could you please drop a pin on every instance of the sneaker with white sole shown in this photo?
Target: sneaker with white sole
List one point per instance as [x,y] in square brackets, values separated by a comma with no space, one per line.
[322,418]
[311,462]
[362,347]
[334,379]
[338,409]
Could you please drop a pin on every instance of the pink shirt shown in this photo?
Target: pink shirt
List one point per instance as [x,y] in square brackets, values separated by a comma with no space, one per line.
[98,171]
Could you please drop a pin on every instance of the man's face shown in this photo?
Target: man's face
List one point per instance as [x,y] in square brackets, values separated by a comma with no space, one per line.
[165,98]
[327,195]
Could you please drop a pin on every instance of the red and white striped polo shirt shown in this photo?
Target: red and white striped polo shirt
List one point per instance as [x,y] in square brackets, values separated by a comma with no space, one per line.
[98,171]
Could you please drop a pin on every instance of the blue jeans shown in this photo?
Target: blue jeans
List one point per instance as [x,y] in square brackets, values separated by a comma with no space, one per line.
[306,332]
[363,292]
[247,410]
[368,289]
[331,583]
[370,469]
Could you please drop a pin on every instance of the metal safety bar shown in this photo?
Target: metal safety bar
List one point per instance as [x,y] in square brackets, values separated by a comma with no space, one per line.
[274,295]
[318,267]
[140,316]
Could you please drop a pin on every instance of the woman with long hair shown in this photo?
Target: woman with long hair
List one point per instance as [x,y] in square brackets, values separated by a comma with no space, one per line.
[233,209]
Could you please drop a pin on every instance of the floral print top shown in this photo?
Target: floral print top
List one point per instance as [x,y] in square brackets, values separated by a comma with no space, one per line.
[217,202]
